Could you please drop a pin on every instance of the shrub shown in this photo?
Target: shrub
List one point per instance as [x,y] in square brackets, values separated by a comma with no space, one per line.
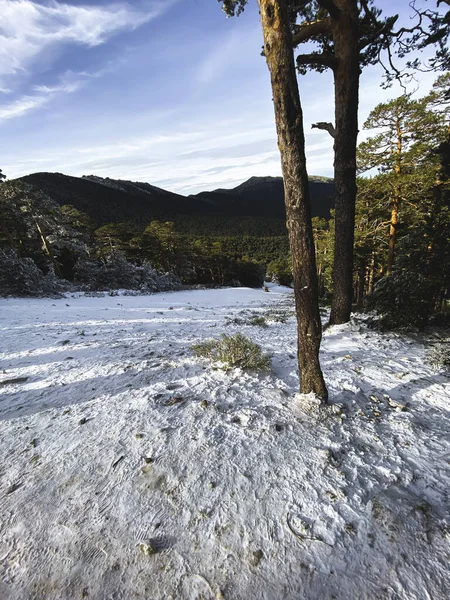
[280,270]
[279,315]
[233,351]
[116,272]
[439,355]
[403,300]
[441,319]
[258,321]
[21,277]
[255,320]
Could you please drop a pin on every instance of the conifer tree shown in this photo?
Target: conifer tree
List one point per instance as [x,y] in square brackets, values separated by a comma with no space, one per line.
[291,142]
[402,151]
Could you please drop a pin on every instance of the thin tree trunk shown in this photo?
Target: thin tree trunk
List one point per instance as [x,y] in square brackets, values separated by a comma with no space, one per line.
[395,199]
[360,288]
[47,248]
[346,87]
[371,276]
[9,236]
[392,235]
[291,143]
[320,280]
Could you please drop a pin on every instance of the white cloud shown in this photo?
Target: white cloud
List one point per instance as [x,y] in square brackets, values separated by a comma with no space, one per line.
[19,107]
[72,81]
[67,84]
[29,28]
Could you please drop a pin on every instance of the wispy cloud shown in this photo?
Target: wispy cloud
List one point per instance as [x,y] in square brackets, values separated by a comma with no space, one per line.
[217,61]
[230,53]
[22,106]
[29,28]
[72,81]
[68,83]
[65,85]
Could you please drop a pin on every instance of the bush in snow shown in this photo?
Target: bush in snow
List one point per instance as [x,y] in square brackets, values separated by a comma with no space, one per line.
[116,272]
[233,351]
[439,356]
[21,277]
[258,321]
[402,299]
[279,270]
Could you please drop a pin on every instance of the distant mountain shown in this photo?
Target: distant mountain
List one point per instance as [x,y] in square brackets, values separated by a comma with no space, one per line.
[113,201]
[264,197]
[109,200]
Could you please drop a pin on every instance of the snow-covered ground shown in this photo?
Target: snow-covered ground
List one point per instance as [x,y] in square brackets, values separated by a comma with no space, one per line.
[131,469]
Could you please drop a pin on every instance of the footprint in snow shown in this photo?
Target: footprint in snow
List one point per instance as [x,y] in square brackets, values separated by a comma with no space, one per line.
[196,587]
[173,386]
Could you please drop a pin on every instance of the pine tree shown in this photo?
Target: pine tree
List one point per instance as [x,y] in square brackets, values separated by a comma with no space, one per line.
[275,20]
[408,131]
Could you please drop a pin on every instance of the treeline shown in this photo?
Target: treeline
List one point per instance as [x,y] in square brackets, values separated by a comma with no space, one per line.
[66,242]
[402,231]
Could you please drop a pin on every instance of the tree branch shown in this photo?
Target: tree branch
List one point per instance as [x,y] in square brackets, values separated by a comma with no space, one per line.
[330,6]
[311,30]
[326,127]
[385,29]
[317,59]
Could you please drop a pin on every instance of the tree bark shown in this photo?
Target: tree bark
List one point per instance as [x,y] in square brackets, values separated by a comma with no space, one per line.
[346,87]
[291,143]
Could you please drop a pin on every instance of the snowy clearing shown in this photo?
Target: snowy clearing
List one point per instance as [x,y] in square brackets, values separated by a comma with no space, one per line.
[131,469]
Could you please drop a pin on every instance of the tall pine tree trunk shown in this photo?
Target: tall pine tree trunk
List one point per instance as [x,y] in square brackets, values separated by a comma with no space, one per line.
[392,234]
[396,198]
[346,86]
[371,275]
[291,143]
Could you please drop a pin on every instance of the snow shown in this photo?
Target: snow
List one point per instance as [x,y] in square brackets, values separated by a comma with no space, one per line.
[131,469]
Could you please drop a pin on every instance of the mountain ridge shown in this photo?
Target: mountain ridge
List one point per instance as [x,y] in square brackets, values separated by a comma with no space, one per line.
[109,200]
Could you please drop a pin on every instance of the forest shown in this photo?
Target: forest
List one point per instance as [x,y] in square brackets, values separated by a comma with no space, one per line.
[401,260]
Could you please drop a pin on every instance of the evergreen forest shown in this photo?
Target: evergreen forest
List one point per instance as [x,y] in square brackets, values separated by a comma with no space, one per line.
[94,234]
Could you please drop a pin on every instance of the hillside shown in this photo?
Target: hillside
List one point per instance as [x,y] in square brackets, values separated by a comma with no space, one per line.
[264,197]
[108,200]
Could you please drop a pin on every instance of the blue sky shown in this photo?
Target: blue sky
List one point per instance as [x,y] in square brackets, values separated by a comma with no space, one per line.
[165,91]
